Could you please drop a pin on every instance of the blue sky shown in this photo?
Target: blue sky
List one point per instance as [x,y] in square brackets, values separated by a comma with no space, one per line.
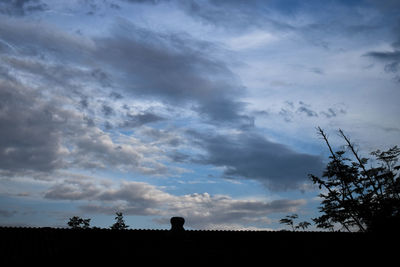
[204,109]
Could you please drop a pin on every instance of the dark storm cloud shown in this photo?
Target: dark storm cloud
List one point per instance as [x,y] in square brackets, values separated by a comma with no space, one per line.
[251,156]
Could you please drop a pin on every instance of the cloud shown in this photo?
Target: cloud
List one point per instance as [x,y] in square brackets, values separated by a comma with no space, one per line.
[30,139]
[41,135]
[173,68]
[305,109]
[251,156]
[52,105]
[140,119]
[201,210]
[45,41]
[294,111]
[132,198]
[93,149]
[21,7]
[391,57]
[205,211]
[7,213]
[235,15]
[391,60]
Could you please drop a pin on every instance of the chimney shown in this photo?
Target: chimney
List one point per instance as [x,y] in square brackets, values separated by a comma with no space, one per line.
[177,224]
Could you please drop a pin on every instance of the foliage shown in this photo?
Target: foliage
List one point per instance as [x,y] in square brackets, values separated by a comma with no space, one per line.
[289,220]
[356,196]
[78,223]
[120,223]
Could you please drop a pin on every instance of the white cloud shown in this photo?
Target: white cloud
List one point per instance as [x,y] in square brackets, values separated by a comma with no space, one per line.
[200,210]
[251,40]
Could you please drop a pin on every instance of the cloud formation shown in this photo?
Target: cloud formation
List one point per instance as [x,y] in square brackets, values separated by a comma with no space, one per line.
[174,68]
[186,90]
[30,139]
[201,210]
[251,156]
[21,7]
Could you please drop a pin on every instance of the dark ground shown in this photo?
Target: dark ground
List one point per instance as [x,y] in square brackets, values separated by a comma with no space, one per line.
[136,247]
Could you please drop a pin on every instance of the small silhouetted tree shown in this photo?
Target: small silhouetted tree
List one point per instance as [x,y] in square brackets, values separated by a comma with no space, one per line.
[303,225]
[356,195]
[120,223]
[289,220]
[78,223]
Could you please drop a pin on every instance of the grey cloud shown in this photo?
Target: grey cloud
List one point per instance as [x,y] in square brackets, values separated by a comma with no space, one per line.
[167,137]
[306,110]
[30,139]
[105,80]
[45,41]
[179,157]
[174,68]
[137,198]
[140,119]
[329,113]
[108,125]
[116,96]
[391,60]
[219,110]
[287,114]
[93,149]
[251,156]
[234,15]
[333,112]
[132,198]
[7,213]
[40,136]
[145,1]
[392,67]
[291,110]
[386,5]
[73,189]
[107,110]
[385,56]
[317,70]
[204,211]
[21,7]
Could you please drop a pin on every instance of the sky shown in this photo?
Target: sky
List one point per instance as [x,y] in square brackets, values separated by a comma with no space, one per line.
[203,109]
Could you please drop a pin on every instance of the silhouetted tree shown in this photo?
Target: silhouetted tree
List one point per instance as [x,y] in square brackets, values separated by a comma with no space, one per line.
[120,223]
[356,196]
[303,225]
[78,223]
[289,220]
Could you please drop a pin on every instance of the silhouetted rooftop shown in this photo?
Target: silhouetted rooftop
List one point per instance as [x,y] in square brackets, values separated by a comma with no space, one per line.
[95,245]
